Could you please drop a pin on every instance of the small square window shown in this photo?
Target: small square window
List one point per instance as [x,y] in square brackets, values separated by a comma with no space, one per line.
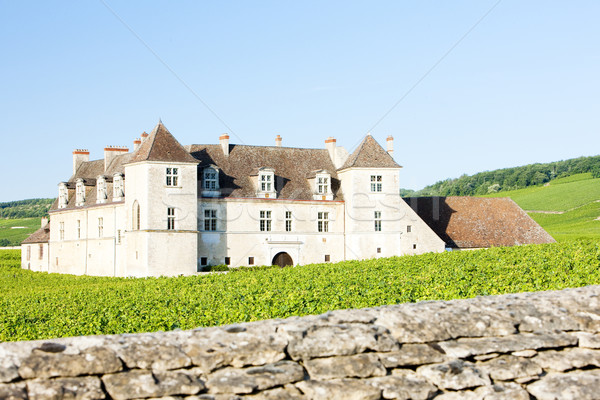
[227,261]
[327,258]
[414,246]
[379,250]
[408,228]
[250,260]
[203,260]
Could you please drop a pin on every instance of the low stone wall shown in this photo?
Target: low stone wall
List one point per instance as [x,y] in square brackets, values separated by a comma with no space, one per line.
[523,346]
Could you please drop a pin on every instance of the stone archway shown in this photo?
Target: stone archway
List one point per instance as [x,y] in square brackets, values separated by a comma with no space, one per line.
[283,260]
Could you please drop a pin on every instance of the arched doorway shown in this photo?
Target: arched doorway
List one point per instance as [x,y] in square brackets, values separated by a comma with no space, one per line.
[283,260]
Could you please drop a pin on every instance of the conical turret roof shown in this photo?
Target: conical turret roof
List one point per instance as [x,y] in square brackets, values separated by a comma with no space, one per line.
[162,146]
[369,154]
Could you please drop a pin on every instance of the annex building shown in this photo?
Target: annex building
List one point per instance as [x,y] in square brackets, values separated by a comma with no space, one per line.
[166,209]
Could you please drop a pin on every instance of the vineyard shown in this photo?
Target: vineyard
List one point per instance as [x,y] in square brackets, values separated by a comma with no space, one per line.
[38,305]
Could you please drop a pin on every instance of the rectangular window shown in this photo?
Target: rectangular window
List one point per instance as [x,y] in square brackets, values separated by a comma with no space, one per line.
[288,221]
[210,179]
[322,185]
[203,260]
[100,227]
[379,250]
[323,221]
[170,218]
[227,261]
[28,253]
[62,230]
[265,221]
[414,246]
[327,258]
[266,182]
[377,218]
[118,236]
[78,229]
[41,251]
[172,176]
[250,260]
[376,183]
[408,228]
[210,220]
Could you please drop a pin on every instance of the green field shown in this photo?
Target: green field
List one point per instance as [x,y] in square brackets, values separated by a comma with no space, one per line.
[559,195]
[38,305]
[576,197]
[11,236]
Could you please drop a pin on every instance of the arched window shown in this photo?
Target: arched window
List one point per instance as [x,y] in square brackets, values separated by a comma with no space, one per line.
[136,216]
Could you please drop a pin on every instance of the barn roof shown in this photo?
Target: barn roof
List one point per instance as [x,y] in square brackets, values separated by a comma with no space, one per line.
[42,235]
[476,222]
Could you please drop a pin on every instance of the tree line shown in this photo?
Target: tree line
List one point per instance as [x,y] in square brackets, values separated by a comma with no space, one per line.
[509,178]
[31,208]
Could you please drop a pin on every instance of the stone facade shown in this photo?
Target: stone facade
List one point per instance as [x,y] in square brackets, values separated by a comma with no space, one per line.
[542,345]
[168,210]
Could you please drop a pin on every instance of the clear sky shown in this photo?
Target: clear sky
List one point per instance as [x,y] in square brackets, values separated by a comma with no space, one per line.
[521,87]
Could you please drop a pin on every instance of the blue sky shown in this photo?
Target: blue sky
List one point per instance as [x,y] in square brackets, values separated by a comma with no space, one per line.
[521,87]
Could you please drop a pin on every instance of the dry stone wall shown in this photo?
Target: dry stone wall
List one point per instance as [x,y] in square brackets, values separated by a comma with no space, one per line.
[524,346]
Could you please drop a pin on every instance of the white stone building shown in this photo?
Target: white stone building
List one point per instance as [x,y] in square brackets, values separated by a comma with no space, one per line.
[166,209]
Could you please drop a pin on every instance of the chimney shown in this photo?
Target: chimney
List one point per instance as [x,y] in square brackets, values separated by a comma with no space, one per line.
[144,135]
[330,146]
[278,141]
[44,221]
[136,144]
[80,156]
[224,140]
[110,152]
[390,145]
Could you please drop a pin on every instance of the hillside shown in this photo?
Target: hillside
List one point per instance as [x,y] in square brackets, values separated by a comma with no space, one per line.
[19,219]
[508,179]
[566,208]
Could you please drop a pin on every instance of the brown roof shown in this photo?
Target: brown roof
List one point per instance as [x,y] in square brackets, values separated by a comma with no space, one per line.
[42,235]
[369,154]
[475,222]
[162,146]
[292,166]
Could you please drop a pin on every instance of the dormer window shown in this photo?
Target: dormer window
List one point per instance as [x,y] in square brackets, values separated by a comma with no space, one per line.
[118,187]
[210,181]
[63,195]
[172,176]
[101,195]
[79,193]
[322,186]
[266,183]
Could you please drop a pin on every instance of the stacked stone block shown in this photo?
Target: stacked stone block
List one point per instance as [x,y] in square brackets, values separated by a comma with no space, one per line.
[541,346]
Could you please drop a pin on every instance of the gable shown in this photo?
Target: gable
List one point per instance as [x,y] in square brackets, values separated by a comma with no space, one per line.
[369,154]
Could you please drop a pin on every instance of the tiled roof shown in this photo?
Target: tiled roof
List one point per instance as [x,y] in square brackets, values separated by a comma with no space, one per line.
[475,222]
[162,146]
[292,166]
[369,154]
[42,235]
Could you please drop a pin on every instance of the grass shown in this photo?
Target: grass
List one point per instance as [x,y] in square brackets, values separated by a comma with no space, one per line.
[16,236]
[560,195]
